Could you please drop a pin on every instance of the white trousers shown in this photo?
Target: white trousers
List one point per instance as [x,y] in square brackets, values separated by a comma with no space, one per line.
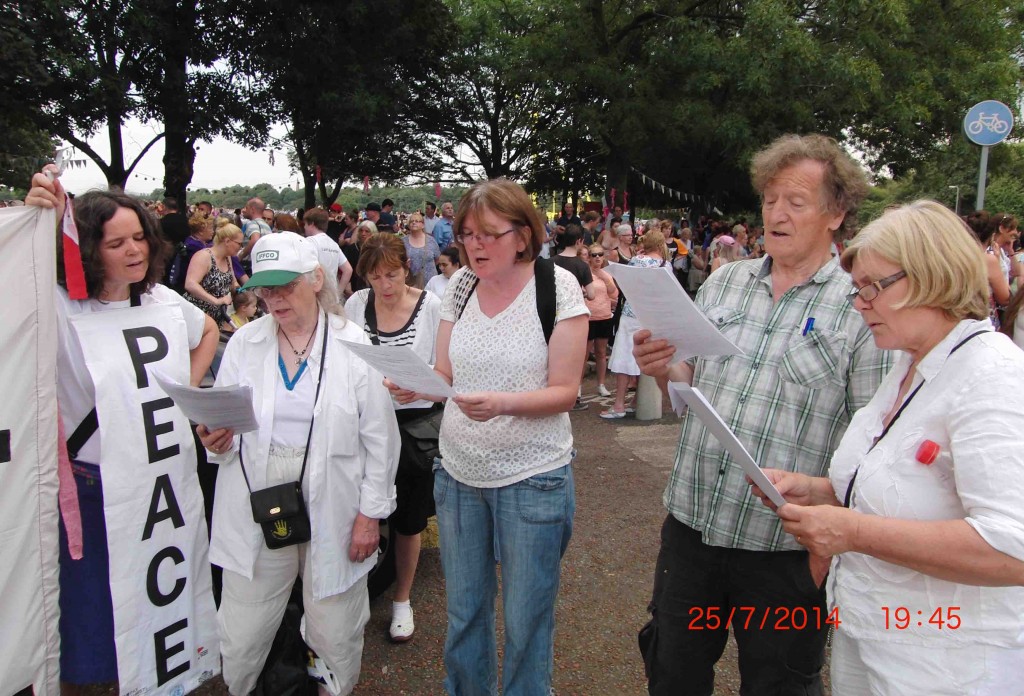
[886,668]
[251,610]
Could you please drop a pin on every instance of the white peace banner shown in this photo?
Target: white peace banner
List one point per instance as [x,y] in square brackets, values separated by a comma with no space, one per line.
[164,617]
[29,641]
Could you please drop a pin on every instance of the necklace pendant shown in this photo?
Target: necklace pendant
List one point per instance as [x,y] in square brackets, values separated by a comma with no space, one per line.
[298,362]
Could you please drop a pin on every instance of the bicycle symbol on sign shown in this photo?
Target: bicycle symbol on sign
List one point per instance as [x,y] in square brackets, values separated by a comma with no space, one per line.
[991,123]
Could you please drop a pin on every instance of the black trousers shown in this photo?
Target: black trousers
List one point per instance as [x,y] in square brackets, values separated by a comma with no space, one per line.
[778,616]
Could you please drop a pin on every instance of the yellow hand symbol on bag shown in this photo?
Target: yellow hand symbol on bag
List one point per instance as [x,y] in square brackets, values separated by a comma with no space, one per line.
[281,530]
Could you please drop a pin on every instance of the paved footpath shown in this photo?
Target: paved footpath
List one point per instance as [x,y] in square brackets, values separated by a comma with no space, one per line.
[620,473]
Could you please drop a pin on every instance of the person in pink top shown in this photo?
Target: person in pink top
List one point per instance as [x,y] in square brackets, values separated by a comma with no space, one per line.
[606,294]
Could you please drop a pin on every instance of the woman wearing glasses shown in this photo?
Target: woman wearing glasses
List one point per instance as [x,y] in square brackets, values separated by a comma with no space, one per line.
[921,511]
[606,295]
[504,488]
[211,277]
[339,444]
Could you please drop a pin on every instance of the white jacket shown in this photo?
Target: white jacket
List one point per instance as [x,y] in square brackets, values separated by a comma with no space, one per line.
[353,454]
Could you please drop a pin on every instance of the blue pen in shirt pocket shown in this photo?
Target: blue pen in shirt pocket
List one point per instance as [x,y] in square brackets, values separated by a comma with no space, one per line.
[809,326]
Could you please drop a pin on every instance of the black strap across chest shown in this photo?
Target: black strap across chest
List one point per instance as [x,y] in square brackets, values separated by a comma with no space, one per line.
[544,271]
[896,417]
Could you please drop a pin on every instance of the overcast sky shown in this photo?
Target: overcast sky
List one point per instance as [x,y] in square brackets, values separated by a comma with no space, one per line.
[218,164]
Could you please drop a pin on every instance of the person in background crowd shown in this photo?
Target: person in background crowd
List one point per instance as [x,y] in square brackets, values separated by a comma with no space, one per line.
[348,235]
[283,222]
[244,307]
[123,254]
[591,220]
[404,316]
[920,511]
[364,230]
[726,251]
[422,251]
[335,223]
[568,216]
[807,364]
[387,215]
[204,209]
[570,242]
[372,214]
[443,228]
[1004,236]
[253,226]
[506,444]
[269,215]
[173,222]
[981,224]
[210,276]
[652,253]
[337,270]
[448,262]
[430,219]
[602,307]
[200,237]
[344,434]
[623,250]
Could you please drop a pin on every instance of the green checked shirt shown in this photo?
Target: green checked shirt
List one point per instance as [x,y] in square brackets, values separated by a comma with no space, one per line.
[788,398]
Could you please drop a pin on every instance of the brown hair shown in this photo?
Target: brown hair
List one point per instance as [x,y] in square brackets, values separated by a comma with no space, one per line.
[283,222]
[844,185]
[197,223]
[92,211]
[381,251]
[317,217]
[508,200]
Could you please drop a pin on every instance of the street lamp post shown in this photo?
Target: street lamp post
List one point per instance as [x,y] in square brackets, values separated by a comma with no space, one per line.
[957,198]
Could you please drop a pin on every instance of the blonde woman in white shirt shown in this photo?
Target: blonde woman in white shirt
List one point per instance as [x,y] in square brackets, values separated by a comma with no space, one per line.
[505,484]
[922,511]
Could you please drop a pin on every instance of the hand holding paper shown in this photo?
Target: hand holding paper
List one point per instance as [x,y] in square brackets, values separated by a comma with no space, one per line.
[402,367]
[218,407]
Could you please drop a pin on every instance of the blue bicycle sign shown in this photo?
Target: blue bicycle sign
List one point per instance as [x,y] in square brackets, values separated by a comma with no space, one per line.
[988,122]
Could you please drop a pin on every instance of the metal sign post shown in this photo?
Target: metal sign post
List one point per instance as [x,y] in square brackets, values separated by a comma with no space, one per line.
[987,124]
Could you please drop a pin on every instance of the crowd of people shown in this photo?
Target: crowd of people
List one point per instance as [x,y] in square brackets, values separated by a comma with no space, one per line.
[898,508]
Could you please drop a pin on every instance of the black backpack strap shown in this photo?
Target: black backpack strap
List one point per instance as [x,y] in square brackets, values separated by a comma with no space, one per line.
[544,270]
[370,317]
[467,284]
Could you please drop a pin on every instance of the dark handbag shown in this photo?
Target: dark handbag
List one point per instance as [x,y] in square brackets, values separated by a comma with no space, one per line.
[420,440]
[280,510]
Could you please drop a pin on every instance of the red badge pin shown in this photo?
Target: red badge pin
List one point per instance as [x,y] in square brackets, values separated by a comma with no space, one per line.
[928,452]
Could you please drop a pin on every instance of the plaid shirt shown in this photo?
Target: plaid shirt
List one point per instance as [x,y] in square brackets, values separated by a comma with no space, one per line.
[788,398]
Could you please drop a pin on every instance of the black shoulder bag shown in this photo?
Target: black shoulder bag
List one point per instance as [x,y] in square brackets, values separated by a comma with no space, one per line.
[420,435]
[280,510]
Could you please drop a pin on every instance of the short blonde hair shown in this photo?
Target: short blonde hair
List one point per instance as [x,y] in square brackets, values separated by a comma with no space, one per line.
[944,265]
[225,232]
[654,240]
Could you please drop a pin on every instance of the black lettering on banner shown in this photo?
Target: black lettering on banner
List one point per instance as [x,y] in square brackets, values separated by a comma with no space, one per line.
[154,429]
[139,359]
[162,488]
[158,598]
[163,653]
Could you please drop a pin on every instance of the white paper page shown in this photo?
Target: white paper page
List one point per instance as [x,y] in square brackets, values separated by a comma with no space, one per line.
[217,407]
[403,367]
[664,308]
[703,409]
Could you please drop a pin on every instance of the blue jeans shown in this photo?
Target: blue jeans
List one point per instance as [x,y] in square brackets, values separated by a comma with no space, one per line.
[526,526]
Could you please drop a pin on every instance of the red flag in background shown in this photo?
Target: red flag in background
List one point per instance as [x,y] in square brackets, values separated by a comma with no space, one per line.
[319,174]
[366,184]
[437,190]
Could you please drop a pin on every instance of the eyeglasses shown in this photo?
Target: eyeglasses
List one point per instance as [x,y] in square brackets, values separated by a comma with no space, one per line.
[594,255]
[485,239]
[870,292]
[286,289]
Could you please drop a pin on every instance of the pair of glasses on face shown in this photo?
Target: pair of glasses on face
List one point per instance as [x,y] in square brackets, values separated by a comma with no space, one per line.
[595,255]
[869,292]
[485,239]
[286,289]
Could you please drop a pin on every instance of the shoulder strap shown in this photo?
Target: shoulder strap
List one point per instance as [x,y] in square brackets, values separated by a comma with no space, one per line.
[467,284]
[370,317]
[544,270]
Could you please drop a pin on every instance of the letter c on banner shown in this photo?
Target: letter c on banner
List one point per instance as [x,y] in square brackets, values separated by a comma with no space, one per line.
[158,598]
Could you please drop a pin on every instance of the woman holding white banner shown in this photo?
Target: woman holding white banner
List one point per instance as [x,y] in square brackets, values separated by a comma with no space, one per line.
[345,435]
[122,255]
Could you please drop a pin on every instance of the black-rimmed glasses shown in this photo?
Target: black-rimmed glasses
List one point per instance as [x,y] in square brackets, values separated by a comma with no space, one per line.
[869,292]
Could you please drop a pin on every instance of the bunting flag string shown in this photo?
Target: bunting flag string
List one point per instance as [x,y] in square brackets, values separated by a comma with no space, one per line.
[667,190]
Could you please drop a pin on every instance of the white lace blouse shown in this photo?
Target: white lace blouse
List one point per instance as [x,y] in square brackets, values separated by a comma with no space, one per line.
[504,353]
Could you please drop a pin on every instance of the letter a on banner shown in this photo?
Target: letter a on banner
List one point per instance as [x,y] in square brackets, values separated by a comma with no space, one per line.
[164,617]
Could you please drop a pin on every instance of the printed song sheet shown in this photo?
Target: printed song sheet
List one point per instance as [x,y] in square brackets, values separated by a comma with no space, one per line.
[664,308]
[217,407]
[683,394]
[403,367]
